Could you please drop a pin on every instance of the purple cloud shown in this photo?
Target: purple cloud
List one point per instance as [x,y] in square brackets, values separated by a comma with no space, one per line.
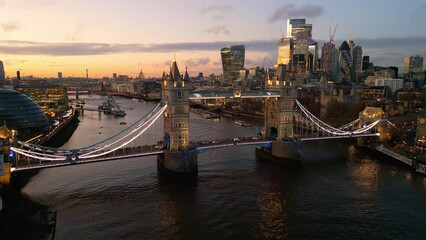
[290,10]
[218,30]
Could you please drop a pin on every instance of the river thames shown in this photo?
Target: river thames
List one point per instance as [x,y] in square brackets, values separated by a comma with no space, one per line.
[340,192]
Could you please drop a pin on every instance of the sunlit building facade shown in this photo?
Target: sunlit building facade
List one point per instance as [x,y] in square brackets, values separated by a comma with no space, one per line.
[232,62]
[285,53]
[51,99]
[305,49]
[413,64]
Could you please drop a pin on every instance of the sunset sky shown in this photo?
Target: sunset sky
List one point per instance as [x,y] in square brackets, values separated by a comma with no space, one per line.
[43,37]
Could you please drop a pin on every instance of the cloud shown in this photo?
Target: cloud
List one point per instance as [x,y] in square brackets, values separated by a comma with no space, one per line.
[383,51]
[290,10]
[218,30]
[218,17]
[197,62]
[216,8]
[79,29]
[10,26]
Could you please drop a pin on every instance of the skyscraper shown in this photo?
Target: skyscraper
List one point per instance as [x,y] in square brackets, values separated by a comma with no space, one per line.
[356,53]
[232,62]
[285,53]
[330,60]
[365,62]
[305,52]
[2,74]
[59,75]
[413,64]
[346,62]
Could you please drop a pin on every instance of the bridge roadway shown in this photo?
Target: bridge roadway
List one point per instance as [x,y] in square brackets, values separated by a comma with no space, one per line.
[140,151]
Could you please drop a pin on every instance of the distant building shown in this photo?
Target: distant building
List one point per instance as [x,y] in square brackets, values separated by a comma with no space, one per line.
[356,53]
[330,60]
[285,53]
[141,75]
[114,76]
[365,62]
[2,74]
[346,62]
[59,75]
[232,62]
[305,50]
[413,64]
[393,84]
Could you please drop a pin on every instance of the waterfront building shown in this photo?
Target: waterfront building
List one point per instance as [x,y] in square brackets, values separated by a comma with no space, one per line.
[232,62]
[413,64]
[52,99]
[21,113]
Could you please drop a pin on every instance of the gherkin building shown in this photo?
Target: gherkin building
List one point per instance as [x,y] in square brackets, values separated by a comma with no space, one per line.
[19,112]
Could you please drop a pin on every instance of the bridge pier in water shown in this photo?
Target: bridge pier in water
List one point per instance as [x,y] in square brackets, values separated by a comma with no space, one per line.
[279,120]
[178,157]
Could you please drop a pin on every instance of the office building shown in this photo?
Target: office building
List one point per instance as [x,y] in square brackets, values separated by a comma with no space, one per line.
[52,99]
[346,62]
[232,62]
[2,74]
[330,61]
[59,75]
[365,62]
[413,64]
[285,53]
[356,54]
[305,50]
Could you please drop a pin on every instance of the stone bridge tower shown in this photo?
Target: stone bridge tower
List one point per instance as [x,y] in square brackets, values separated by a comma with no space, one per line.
[178,156]
[279,120]
[279,112]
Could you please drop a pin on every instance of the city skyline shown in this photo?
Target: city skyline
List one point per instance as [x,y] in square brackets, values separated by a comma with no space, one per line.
[44,37]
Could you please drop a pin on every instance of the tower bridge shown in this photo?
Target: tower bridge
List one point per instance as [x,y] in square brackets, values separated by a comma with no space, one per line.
[287,122]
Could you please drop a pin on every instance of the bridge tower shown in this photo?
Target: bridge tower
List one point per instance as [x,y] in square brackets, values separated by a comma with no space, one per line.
[279,119]
[178,157]
[370,115]
[7,137]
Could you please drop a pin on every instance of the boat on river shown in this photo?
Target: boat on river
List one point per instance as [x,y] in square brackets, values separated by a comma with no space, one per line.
[242,123]
[111,107]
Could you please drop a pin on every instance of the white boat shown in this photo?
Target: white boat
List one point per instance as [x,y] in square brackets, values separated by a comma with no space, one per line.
[242,123]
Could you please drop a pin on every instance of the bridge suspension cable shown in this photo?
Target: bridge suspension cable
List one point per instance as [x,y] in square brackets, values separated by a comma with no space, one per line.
[149,123]
[332,130]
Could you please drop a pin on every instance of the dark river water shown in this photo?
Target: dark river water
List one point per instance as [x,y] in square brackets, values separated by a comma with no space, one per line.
[340,192]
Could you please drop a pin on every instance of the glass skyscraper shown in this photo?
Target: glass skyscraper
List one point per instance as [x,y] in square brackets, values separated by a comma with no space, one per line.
[232,62]
[413,64]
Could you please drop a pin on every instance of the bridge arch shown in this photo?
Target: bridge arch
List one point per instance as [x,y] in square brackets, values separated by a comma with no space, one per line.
[273,132]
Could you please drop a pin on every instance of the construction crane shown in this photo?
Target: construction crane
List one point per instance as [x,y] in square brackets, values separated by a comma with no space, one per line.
[332,35]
